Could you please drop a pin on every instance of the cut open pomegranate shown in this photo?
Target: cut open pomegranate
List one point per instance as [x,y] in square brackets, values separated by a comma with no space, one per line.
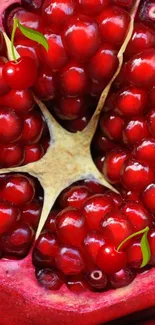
[77,176]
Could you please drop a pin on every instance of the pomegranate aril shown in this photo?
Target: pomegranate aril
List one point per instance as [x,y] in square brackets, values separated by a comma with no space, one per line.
[124,3]
[48,246]
[33,128]
[96,279]
[113,164]
[31,213]
[146,13]
[116,198]
[70,261]
[130,195]
[44,87]
[17,189]
[78,124]
[121,278]
[112,126]
[71,227]
[92,243]
[33,153]
[151,240]
[57,12]
[28,48]
[135,130]
[70,108]
[136,176]
[17,242]
[9,214]
[50,279]
[50,223]
[22,101]
[148,197]
[11,126]
[95,208]
[77,284]
[113,24]
[101,143]
[26,67]
[73,80]
[110,260]
[115,227]
[11,155]
[99,162]
[137,214]
[82,38]
[145,152]
[151,121]
[92,8]
[74,196]
[134,254]
[4,88]
[93,186]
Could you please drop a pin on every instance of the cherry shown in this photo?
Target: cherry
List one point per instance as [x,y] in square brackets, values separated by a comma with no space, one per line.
[92,243]
[110,260]
[71,226]
[22,101]
[17,189]
[121,278]
[113,23]
[9,214]
[33,128]
[56,56]
[70,108]
[11,126]
[97,279]
[112,126]
[145,152]
[143,73]
[113,164]
[95,209]
[130,101]
[104,63]
[70,261]
[135,130]
[50,279]
[151,121]
[148,197]
[27,48]
[116,227]
[77,284]
[33,153]
[57,12]
[44,87]
[4,88]
[50,223]
[136,176]
[151,240]
[46,250]
[74,196]
[82,38]
[134,254]
[12,72]
[137,214]
[11,155]
[142,38]
[31,213]
[73,80]
[17,242]
[92,8]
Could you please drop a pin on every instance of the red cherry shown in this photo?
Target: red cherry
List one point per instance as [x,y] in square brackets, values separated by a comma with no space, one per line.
[135,130]
[75,196]
[136,176]
[11,155]
[145,152]
[70,261]
[11,126]
[95,208]
[70,108]
[33,128]
[97,279]
[73,80]
[92,8]
[116,227]
[22,101]
[9,214]
[50,279]
[26,67]
[4,88]
[17,189]
[71,226]
[113,164]
[110,260]
[82,38]
[112,126]
[148,197]
[137,214]
[57,12]
[33,153]
[92,243]
[121,278]
[31,213]
[113,23]
[44,87]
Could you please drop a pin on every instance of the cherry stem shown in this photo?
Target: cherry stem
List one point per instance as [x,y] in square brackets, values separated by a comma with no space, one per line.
[145,230]
[15,24]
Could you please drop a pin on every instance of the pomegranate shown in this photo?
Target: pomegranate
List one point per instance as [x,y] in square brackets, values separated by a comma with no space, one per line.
[77,178]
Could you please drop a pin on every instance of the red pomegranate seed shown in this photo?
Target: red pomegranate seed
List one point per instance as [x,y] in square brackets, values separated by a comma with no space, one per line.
[33,153]
[50,279]
[92,8]
[97,279]
[48,246]
[28,48]
[134,254]
[124,3]
[33,6]
[95,209]
[130,195]
[31,213]
[18,241]
[137,214]
[116,227]
[74,196]
[71,226]
[151,97]
[151,121]
[73,80]
[44,87]
[102,143]
[145,152]
[146,13]
[110,260]
[78,124]
[70,108]
[135,130]
[116,198]
[93,186]
[11,126]
[92,243]
[22,101]
[113,164]
[121,278]
[77,284]
[112,126]
[50,223]
[70,261]
[82,38]
[17,189]
[4,88]
[151,239]
[57,12]
[33,128]
[9,214]
[148,197]
[136,176]
[113,23]
[11,155]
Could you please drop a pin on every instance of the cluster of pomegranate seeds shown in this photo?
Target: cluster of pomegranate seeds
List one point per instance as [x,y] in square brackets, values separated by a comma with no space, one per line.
[20,211]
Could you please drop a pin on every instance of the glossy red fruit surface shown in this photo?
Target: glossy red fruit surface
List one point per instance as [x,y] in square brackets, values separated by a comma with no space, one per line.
[110,260]
[70,261]
[74,196]
[9,214]
[11,155]
[50,279]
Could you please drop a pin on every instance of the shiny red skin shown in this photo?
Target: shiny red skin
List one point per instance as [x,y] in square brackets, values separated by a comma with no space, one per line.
[11,155]
[110,260]
[74,196]
[22,101]
[33,153]
[9,214]
[4,88]
[11,126]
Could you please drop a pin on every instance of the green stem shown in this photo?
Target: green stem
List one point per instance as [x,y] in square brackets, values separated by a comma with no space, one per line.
[133,235]
[15,24]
